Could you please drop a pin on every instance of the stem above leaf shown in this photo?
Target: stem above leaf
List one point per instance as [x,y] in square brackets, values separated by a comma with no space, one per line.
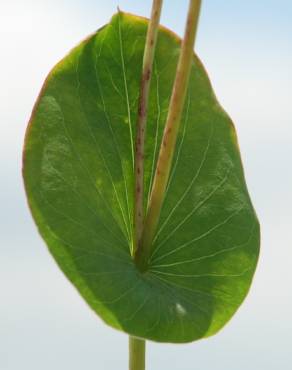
[169,136]
[149,52]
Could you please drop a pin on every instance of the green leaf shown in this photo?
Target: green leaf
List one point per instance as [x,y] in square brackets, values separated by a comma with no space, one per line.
[78,173]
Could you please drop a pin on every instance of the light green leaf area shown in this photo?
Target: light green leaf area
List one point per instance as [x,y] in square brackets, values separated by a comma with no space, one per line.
[78,173]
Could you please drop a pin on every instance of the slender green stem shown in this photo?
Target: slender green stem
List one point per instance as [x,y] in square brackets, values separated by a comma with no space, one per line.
[169,136]
[149,52]
[137,346]
[137,354]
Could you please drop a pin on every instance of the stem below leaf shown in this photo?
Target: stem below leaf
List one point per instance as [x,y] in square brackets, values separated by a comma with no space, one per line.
[137,354]
[169,136]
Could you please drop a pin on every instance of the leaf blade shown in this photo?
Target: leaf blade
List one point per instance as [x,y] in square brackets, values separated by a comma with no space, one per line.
[78,174]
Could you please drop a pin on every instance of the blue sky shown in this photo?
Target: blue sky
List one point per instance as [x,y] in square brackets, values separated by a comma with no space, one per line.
[247,50]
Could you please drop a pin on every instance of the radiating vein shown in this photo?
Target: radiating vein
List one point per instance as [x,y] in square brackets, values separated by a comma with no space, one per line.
[200,275]
[92,252]
[188,188]
[197,238]
[180,146]
[222,182]
[179,286]
[202,258]
[126,88]
[85,202]
[175,294]
[114,84]
[77,193]
[196,291]
[77,222]
[85,167]
[116,145]
[99,151]
[124,294]
[139,308]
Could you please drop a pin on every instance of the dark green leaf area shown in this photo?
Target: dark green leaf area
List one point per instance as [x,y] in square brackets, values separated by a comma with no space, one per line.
[78,172]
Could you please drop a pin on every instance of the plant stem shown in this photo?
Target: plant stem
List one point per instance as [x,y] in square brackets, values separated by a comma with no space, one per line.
[137,346]
[149,52]
[169,136]
[137,354]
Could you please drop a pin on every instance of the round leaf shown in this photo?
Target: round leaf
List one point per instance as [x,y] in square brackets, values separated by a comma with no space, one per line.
[78,173]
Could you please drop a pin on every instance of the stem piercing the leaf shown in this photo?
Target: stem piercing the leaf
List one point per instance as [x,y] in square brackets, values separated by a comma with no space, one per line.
[149,52]
[169,136]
